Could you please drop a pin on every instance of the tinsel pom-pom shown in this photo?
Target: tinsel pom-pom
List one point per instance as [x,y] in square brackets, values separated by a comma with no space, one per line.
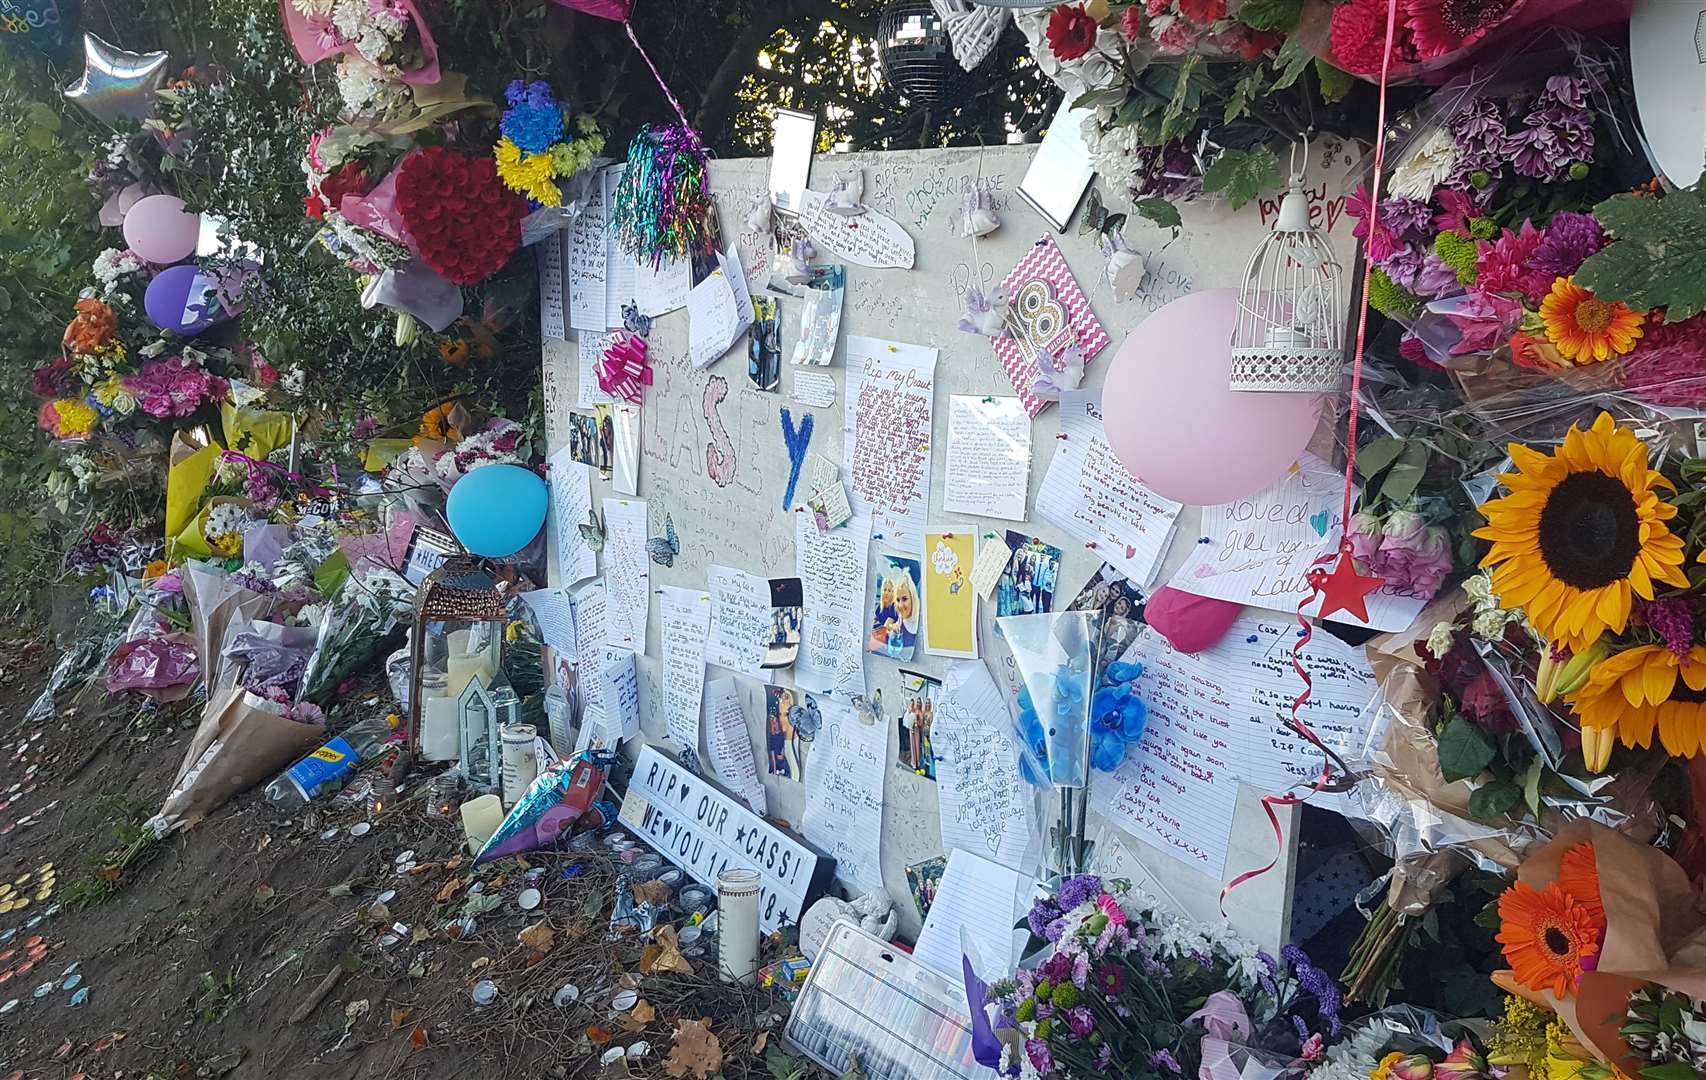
[662,206]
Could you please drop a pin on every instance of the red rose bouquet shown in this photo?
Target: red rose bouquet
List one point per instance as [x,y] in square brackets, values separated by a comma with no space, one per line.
[462,219]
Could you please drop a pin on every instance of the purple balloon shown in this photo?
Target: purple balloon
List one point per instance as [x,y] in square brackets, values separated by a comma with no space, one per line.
[182,299]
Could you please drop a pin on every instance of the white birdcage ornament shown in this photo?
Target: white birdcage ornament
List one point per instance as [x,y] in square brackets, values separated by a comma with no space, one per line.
[1290,330]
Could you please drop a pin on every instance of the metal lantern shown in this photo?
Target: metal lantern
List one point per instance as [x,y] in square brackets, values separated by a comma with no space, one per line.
[917,54]
[461,592]
[1290,333]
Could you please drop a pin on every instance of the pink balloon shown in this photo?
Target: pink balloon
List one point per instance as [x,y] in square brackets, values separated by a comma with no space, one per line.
[1172,420]
[158,229]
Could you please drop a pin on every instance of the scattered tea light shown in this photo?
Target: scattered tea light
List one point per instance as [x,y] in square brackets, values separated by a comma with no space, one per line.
[387,896]
[566,995]
[360,828]
[79,998]
[624,1000]
[485,992]
[327,834]
[639,1049]
[529,899]
[10,1006]
[71,982]
[613,1054]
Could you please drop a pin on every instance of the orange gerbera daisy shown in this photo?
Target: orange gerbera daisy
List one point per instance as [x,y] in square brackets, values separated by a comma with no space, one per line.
[1547,937]
[1578,875]
[1585,328]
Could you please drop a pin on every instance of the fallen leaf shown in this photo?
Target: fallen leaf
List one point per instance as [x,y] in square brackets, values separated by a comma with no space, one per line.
[653,892]
[451,888]
[264,894]
[761,1042]
[379,913]
[854,1070]
[480,963]
[538,937]
[265,842]
[497,883]
[63,1052]
[696,1050]
[423,868]
[455,863]
[418,1037]
[664,954]
[597,1036]
[399,1017]
[639,1016]
[109,873]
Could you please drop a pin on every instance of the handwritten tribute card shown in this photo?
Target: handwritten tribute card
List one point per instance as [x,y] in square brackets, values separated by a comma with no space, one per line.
[627,573]
[1087,492]
[886,437]
[868,239]
[985,804]
[556,370]
[728,744]
[989,457]
[844,795]
[588,249]
[571,506]
[831,566]
[552,299]
[719,310]
[590,347]
[1260,548]
[686,615]
[740,620]
[1049,313]
[950,603]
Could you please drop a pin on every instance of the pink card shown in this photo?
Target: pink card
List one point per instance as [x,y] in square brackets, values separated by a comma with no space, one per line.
[1049,311]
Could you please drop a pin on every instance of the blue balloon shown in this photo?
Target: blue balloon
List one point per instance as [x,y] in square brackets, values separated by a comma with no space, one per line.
[496,510]
[182,299]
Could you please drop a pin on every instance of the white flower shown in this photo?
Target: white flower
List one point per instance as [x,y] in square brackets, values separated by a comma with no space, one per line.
[313,9]
[113,264]
[294,380]
[1441,638]
[224,519]
[1489,625]
[1480,589]
[1427,167]
[153,348]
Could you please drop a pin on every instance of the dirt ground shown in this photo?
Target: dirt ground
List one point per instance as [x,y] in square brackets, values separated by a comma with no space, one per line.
[203,956]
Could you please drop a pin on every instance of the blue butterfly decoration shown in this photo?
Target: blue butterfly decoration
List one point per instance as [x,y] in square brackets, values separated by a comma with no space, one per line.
[807,720]
[663,549]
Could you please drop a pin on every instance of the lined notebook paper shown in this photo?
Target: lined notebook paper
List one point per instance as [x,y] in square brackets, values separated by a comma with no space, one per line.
[982,900]
[985,804]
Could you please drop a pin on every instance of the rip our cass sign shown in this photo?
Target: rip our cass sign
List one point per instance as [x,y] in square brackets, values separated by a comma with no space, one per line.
[704,830]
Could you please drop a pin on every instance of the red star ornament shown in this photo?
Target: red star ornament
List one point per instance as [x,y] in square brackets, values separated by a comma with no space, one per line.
[1344,589]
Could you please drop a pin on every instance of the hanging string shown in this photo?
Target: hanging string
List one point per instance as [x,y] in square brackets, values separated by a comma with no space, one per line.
[1324,781]
[656,74]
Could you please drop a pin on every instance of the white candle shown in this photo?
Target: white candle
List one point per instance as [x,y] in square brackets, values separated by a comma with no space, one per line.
[520,763]
[737,926]
[440,729]
[481,818]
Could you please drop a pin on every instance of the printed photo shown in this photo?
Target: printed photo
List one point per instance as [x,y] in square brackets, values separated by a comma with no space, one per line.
[764,346]
[918,713]
[897,615]
[1111,593]
[924,879]
[781,741]
[787,598]
[592,439]
[1027,585]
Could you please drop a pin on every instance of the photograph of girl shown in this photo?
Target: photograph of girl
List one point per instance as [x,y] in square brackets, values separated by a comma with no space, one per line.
[779,739]
[896,616]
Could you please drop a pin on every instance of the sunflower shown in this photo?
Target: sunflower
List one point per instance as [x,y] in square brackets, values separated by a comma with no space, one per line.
[1578,875]
[1633,691]
[1585,328]
[1581,532]
[1547,936]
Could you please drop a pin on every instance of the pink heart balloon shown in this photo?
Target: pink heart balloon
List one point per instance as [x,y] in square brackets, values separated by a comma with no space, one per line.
[1172,419]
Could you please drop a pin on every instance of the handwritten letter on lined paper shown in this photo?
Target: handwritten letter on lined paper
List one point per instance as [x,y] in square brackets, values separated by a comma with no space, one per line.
[686,617]
[887,437]
[729,745]
[844,794]
[571,506]
[831,566]
[1087,492]
[983,899]
[627,573]
[740,620]
[985,804]
[989,457]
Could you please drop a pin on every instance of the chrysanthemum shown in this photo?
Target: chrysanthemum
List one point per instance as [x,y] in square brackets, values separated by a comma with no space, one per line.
[1648,686]
[1581,534]
[1585,328]
[1501,265]
[1549,939]
[1578,875]
[532,175]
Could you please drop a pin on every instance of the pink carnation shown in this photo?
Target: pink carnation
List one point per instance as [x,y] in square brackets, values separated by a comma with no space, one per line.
[1501,266]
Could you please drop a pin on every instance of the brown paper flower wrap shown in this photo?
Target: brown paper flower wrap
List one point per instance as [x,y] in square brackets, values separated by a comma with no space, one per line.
[1655,931]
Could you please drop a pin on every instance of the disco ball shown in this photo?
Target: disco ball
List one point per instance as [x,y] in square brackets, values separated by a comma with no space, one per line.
[915,52]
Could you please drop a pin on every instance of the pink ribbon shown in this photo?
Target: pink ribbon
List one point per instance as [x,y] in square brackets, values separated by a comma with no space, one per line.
[1226,1025]
[624,371]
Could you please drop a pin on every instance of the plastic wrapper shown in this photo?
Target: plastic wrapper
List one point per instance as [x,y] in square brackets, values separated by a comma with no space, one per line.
[1056,656]
[547,811]
[162,667]
[272,656]
[1422,822]
[103,629]
[216,603]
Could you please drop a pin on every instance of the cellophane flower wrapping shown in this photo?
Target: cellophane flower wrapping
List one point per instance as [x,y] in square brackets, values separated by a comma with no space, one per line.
[1056,655]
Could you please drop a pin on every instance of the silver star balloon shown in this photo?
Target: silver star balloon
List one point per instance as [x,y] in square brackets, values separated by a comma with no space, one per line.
[117,84]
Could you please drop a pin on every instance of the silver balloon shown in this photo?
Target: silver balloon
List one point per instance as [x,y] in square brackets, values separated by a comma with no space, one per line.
[117,84]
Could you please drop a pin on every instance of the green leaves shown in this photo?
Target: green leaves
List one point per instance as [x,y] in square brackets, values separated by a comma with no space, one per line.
[1657,257]
[1185,96]
[1396,464]
[1671,1070]
[1293,60]
[1243,174]
[783,1066]
[1280,15]
[1335,84]
[1464,751]
[1494,799]
[1160,211]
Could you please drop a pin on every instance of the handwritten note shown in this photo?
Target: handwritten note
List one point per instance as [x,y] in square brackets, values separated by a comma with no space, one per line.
[556,370]
[869,239]
[719,311]
[886,437]
[844,794]
[627,573]
[992,559]
[621,704]
[686,617]
[591,605]
[589,248]
[740,620]
[619,270]
[813,388]
[590,347]
[831,566]
[950,604]
[980,900]
[730,745]
[1088,493]
[555,613]
[989,457]
[553,300]
[986,807]
[571,507]
[661,289]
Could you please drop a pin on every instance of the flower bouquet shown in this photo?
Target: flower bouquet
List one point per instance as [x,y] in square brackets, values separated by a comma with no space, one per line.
[1159,998]
[537,149]
[380,45]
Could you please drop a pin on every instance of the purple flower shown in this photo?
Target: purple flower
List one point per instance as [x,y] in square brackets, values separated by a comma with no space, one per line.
[1161,1059]
[1080,1020]
[1300,1027]
[1041,1059]
[1672,620]
[1570,239]
[1081,971]
[1437,278]
[1043,913]
[1268,961]
[1479,130]
[1078,890]
[534,120]
[1410,220]
[1057,968]
[1552,140]
[1318,983]
[365,428]
[1110,980]
[1104,1057]
[1404,266]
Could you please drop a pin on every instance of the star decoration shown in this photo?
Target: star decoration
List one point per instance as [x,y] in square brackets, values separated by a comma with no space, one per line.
[1344,589]
[117,84]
